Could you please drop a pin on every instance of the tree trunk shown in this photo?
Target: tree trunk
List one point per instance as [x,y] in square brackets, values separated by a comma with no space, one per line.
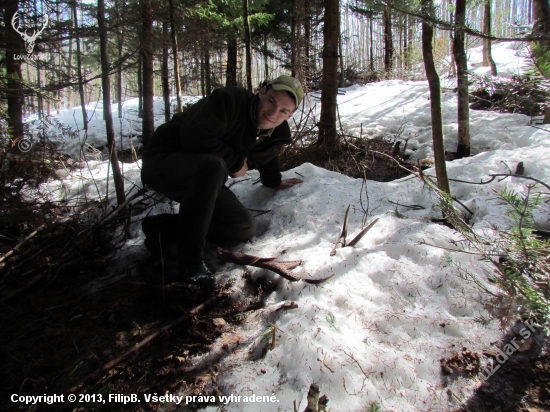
[117,176]
[70,73]
[307,39]
[541,19]
[39,99]
[463,147]
[541,27]
[266,55]
[207,69]
[411,30]
[120,43]
[200,62]
[140,86]
[248,46]
[14,45]
[487,57]
[59,63]
[293,45]
[435,99]
[329,84]
[148,72]
[299,39]
[342,79]
[388,41]
[406,43]
[79,68]
[175,56]
[371,49]
[30,106]
[452,67]
[164,71]
[231,70]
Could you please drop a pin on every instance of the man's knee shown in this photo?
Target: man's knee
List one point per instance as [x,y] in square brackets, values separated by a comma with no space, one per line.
[212,167]
[169,173]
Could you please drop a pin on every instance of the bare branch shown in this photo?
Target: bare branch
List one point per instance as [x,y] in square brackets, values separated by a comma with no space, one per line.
[495,175]
[445,25]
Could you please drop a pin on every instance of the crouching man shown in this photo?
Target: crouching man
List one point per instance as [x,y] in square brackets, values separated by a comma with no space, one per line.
[190,158]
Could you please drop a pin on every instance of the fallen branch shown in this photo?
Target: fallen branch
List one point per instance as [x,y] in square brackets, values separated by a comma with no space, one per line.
[540,128]
[413,207]
[450,249]
[494,176]
[463,205]
[19,254]
[18,246]
[145,342]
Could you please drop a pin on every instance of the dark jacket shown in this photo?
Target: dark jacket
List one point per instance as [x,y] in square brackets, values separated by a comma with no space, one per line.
[224,123]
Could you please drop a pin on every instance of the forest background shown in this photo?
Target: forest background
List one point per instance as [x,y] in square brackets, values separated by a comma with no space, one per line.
[172,48]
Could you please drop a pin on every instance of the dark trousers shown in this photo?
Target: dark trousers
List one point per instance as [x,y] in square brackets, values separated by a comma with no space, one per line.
[207,207]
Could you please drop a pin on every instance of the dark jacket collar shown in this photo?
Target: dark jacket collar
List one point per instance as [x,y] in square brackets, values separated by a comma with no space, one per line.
[253,108]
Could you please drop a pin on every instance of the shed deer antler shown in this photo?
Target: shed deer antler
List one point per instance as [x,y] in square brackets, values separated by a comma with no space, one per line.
[280,267]
[341,242]
[29,40]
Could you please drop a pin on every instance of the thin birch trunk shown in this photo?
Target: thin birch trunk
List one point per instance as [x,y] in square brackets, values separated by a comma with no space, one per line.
[106,85]
[148,71]
[175,56]
[435,99]
[248,46]
[79,68]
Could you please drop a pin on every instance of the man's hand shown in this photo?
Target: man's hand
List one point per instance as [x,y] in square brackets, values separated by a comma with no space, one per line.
[241,172]
[286,183]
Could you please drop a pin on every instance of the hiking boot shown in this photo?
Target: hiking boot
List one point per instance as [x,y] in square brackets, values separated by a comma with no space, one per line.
[198,274]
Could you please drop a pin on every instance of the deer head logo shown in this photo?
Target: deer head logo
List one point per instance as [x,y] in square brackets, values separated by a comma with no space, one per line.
[29,40]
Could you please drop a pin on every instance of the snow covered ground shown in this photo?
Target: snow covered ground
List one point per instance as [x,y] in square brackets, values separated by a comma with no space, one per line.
[376,331]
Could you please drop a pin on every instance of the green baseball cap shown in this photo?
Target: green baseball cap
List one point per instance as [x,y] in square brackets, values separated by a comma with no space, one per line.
[291,85]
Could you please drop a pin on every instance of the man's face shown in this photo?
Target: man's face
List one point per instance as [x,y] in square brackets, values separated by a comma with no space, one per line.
[274,108]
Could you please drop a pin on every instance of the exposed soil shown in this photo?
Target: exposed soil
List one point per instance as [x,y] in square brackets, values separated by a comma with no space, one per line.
[58,338]
[516,376]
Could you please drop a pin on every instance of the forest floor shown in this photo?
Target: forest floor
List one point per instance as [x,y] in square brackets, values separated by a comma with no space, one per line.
[132,334]
[61,337]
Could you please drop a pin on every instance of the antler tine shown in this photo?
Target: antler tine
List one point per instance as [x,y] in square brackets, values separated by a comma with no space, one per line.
[15,17]
[37,33]
[341,242]
[43,27]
